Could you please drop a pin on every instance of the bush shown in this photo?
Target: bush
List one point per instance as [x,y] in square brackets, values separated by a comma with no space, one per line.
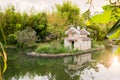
[26,36]
[51,49]
[12,39]
[43,49]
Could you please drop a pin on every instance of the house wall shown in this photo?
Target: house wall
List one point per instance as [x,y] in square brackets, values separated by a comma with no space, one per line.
[89,44]
[76,45]
[67,43]
[85,45]
[79,44]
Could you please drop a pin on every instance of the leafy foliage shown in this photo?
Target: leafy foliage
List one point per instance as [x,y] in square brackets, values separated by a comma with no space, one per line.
[39,23]
[111,12]
[66,14]
[102,18]
[26,36]
[12,39]
[114,32]
[67,9]
[57,25]
[53,48]
[12,21]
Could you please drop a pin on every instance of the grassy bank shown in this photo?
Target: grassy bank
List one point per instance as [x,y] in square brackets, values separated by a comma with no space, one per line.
[54,47]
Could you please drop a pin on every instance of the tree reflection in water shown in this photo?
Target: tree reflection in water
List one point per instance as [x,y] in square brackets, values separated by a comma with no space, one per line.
[22,67]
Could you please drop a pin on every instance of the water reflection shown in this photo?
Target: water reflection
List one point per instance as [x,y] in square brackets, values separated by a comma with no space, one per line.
[104,66]
[28,76]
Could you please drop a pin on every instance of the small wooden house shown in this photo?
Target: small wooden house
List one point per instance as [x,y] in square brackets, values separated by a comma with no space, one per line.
[77,39]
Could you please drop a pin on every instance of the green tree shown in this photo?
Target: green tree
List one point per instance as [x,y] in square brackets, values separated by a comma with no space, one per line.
[27,36]
[57,25]
[111,13]
[105,20]
[71,11]
[38,22]
[9,22]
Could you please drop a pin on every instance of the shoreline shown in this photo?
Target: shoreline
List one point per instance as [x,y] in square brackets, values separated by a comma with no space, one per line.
[61,55]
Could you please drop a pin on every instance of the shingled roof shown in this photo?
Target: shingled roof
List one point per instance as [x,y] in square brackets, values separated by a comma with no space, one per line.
[78,31]
[72,29]
[84,32]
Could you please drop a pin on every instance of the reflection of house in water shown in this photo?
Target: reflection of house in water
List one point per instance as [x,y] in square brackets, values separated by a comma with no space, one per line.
[77,61]
[75,65]
[77,39]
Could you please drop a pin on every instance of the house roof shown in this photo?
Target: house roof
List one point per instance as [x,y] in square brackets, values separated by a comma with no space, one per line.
[72,38]
[75,39]
[72,29]
[84,32]
[78,31]
[86,39]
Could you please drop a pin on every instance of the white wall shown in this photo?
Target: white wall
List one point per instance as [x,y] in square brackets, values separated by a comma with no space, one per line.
[85,45]
[67,44]
[79,44]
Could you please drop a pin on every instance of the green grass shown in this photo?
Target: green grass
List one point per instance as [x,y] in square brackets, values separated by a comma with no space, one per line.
[53,48]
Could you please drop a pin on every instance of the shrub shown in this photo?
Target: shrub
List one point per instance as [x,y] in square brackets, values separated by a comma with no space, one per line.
[26,36]
[12,39]
[51,49]
[43,49]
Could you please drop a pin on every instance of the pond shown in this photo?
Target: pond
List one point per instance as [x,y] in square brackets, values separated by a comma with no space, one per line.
[103,66]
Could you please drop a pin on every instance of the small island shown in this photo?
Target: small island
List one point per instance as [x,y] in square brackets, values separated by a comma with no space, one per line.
[76,43]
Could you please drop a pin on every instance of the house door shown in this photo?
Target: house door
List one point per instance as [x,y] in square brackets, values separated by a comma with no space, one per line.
[72,44]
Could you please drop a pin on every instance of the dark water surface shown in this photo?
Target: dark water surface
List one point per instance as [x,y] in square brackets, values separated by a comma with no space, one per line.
[105,66]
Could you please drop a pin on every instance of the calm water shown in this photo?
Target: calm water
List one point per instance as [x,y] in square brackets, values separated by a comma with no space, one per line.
[21,67]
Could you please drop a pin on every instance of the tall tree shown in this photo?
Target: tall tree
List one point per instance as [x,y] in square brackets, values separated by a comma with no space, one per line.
[70,10]
[57,25]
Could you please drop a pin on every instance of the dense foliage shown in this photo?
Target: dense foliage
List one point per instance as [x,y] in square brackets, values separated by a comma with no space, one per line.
[52,26]
[47,26]
[27,36]
[110,14]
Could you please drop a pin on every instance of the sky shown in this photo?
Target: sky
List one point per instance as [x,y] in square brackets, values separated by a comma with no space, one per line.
[49,5]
